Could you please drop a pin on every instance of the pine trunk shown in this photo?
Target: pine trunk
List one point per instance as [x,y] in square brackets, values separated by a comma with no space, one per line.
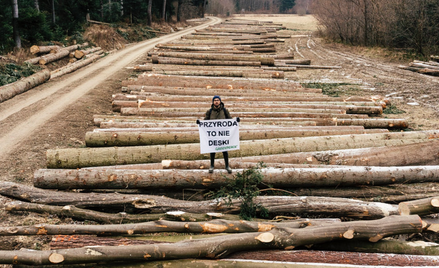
[82,157]
[111,178]
[174,136]
[10,90]
[279,238]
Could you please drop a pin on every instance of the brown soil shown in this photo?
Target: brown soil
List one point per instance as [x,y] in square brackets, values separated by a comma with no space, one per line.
[363,72]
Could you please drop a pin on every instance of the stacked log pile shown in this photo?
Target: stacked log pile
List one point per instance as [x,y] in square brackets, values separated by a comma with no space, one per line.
[334,159]
[47,54]
[77,54]
[424,67]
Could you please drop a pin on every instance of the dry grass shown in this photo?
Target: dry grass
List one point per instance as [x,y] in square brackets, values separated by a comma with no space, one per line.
[105,37]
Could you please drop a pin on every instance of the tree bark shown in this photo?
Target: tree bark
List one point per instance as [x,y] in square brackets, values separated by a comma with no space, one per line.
[111,178]
[74,66]
[401,253]
[16,33]
[244,106]
[43,49]
[182,61]
[81,157]
[421,207]
[10,90]
[404,248]
[338,207]
[54,57]
[222,57]
[285,238]
[221,83]
[298,62]
[137,138]
[424,153]
[226,73]
[244,113]
[205,227]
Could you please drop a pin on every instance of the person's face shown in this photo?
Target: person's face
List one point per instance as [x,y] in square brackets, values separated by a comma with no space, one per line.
[216,102]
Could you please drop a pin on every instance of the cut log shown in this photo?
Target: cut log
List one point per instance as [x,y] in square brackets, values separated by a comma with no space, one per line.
[372,123]
[249,111]
[227,73]
[143,101]
[182,61]
[393,193]
[284,238]
[338,207]
[137,138]
[296,62]
[119,124]
[54,57]
[206,227]
[81,157]
[424,153]
[75,66]
[43,49]
[392,246]
[111,178]
[421,207]
[117,105]
[407,254]
[429,71]
[220,83]
[209,90]
[10,90]
[193,113]
[222,57]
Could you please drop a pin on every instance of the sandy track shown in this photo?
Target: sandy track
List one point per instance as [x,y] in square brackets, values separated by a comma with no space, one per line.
[74,87]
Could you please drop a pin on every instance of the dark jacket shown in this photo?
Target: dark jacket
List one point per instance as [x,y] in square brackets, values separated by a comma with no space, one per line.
[220,113]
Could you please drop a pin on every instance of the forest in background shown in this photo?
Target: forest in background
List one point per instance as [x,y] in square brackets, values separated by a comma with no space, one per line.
[404,24]
[28,22]
[410,25]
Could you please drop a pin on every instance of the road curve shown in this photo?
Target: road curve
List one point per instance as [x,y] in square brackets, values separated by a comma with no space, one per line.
[101,70]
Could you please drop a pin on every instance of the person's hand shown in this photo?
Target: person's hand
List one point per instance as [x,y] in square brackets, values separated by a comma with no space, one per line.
[237,119]
[198,122]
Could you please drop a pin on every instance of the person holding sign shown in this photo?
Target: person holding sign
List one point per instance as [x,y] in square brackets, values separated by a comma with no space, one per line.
[220,134]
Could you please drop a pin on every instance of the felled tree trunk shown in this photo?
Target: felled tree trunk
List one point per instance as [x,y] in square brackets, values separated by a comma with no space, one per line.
[43,49]
[424,153]
[10,90]
[82,157]
[136,138]
[392,246]
[53,57]
[73,67]
[181,61]
[339,258]
[222,246]
[223,57]
[159,204]
[111,178]
[421,207]
[206,227]
[221,83]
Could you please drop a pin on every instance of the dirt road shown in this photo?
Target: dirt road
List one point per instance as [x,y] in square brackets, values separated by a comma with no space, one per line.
[59,93]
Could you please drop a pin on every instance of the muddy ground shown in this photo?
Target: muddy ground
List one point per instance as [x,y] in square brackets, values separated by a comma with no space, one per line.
[364,72]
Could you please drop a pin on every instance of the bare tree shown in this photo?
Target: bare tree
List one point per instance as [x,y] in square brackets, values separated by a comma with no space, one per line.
[53,12]
[17,38]
[149,16]
[164,10]
[37,5]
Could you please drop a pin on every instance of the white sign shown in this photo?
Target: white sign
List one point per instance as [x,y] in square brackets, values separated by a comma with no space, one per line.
[218,135]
